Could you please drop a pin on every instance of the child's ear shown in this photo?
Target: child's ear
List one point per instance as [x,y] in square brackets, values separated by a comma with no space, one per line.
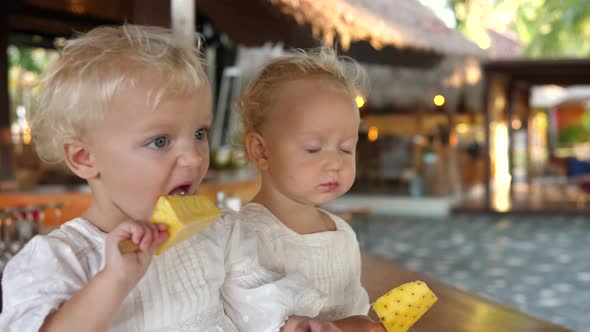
[79,158]
[256,149]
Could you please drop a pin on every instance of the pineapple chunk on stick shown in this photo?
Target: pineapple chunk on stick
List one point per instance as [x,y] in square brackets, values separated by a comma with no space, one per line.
[184,215]
[402,306]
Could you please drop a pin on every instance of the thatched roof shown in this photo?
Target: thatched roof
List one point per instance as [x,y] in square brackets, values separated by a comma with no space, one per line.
[504,45]
[458,79]
[397,23]
[392,32]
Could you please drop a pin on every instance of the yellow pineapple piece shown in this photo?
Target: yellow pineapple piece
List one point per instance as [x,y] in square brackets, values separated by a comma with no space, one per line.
[184,216]
[402,306]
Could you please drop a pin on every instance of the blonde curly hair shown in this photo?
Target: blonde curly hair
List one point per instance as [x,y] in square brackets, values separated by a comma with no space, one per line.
[317,63]
[78,87]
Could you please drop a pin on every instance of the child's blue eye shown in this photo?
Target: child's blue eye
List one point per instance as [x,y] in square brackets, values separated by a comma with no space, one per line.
[201,134]
[159,142]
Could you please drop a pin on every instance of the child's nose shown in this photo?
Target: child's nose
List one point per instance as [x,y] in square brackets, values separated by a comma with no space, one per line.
[192,157]
[334,161]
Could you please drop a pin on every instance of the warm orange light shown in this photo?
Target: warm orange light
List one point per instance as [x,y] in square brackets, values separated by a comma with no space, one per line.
[439,100]
[373,134]
[453,139]
[27,137]
[360,101]
[516,124]
[462,128]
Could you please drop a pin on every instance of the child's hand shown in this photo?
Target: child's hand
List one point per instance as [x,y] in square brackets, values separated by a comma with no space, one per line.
[127,269]
[306,324]
[359,323]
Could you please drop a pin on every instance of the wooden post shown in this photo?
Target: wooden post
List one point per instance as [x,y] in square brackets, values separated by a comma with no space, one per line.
[525,124]
[487,122]
[512,93]
[7,171]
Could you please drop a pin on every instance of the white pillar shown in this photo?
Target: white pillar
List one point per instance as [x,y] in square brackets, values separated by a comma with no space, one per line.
[183,19]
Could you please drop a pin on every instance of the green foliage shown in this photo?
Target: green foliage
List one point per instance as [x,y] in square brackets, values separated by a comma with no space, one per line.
[461,8]
[573,134]
[554,28]
[576,133]
[547,28]
[23,57]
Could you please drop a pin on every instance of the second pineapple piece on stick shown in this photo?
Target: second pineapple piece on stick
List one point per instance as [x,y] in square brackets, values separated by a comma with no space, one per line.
[402,306]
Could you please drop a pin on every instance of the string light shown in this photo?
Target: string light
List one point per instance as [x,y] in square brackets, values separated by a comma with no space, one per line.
[439,100]
[360,101]
[373,134]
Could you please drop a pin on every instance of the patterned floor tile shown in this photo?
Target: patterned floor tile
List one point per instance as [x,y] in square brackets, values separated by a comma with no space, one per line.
[536,264]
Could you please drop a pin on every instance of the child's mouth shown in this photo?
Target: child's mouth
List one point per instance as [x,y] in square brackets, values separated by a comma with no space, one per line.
[330,186]
[180,190]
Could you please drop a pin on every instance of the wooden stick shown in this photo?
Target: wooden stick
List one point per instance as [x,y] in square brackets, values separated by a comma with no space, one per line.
[127,247]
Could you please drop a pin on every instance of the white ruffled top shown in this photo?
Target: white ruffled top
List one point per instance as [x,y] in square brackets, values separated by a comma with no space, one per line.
[211,282]
[330,260]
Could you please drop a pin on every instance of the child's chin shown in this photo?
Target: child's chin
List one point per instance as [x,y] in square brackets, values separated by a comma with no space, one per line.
[327,198]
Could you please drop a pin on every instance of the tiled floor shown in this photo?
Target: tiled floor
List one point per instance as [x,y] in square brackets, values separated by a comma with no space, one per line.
[537,264]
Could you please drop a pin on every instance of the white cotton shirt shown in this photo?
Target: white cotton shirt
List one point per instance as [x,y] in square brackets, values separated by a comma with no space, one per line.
[210,282]
[330,260]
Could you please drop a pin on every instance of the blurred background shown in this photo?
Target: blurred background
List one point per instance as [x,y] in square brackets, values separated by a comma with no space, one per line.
[476,125]
[479,103]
